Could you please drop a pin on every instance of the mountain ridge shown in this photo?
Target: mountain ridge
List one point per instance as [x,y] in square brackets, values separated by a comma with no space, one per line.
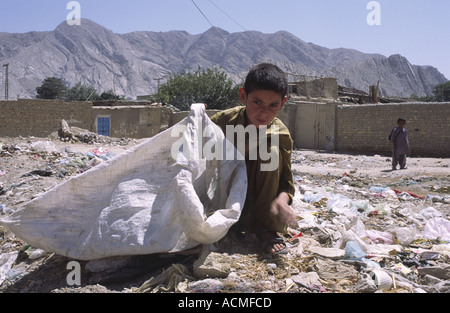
[131,63]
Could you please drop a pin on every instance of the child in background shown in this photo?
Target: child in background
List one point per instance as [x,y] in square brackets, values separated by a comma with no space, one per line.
[400,145]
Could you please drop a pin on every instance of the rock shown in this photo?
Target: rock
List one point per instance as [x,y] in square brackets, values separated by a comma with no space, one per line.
[65,133]
[212,265]
[207,285]
[307,279]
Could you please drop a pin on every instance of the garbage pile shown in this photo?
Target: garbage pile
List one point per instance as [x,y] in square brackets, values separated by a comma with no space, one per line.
[395,240]
[357,233]
[25,163]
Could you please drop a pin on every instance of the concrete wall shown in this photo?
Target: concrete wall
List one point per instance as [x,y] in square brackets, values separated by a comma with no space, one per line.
[40,118]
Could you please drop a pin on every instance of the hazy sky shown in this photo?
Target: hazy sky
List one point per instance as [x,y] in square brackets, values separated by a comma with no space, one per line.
[416,29]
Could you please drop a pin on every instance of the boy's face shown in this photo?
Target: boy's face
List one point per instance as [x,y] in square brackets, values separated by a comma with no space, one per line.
[401,124]
[262,105]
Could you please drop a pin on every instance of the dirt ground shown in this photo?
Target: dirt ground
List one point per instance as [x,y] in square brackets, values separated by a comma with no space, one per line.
[25,172]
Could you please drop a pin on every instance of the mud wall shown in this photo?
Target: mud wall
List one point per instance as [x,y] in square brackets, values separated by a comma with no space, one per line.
[333,126]
[40,118]
[365,128]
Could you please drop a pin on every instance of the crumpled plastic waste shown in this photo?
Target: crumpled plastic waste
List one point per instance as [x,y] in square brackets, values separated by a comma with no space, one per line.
[437,228]
[6,262]
[44,146]
[101,153]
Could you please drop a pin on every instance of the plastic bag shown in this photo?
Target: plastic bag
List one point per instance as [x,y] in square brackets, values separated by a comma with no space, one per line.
[354,251]
[383,208]
[380,236]
[44,146]
[437,227]
[6,262]
[430,212]
[405,235]
[150,199]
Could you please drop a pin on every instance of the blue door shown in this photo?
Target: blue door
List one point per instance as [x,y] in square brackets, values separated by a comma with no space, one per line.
[104,126]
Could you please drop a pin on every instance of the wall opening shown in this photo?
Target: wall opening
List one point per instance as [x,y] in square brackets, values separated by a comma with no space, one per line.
[104,125]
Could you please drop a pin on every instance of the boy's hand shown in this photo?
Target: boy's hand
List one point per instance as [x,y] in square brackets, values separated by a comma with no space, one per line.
[281,209]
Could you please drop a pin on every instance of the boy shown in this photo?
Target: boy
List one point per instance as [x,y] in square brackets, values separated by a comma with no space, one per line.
[400,145]
[267,208]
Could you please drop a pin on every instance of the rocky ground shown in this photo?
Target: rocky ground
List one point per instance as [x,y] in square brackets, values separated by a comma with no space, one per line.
[355,216]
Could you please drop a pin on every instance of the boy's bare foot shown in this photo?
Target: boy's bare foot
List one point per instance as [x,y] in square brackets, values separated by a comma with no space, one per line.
[273,243]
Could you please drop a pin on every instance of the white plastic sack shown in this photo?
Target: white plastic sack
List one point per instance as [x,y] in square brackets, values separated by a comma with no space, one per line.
[154,198]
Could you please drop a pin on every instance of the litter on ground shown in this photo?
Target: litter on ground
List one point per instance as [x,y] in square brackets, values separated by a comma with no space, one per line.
[362,228]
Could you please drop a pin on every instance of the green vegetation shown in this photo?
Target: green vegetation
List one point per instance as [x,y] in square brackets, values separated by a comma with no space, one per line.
[211,86]
[441,93]
[55,88]
[51,88]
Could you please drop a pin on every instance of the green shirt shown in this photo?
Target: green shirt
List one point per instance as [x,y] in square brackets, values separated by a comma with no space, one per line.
[237,116]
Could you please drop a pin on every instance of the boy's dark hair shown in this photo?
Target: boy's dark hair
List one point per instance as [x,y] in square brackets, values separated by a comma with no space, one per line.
[266,76]
[401,120]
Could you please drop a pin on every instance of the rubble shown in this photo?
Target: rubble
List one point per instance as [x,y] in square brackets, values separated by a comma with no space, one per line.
[211,265]
[362,228]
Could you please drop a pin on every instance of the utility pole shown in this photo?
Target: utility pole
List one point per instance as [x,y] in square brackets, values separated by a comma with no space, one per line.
[6,81]
[159,80]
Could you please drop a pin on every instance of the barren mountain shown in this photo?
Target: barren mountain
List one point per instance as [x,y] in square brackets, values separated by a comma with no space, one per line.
[130,63]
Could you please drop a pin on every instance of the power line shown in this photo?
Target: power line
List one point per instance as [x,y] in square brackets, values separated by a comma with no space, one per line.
[228,15]
[208,20]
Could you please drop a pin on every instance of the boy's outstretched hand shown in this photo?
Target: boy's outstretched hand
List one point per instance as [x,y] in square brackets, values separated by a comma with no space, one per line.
[281,209]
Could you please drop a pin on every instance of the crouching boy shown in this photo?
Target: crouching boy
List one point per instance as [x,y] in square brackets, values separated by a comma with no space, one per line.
[270,192]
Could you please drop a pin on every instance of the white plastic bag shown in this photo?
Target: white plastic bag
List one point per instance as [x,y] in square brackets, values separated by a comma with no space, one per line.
[437,227]
[6,262]
[150,199]
[430,212]
[405,235]
[44,146]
